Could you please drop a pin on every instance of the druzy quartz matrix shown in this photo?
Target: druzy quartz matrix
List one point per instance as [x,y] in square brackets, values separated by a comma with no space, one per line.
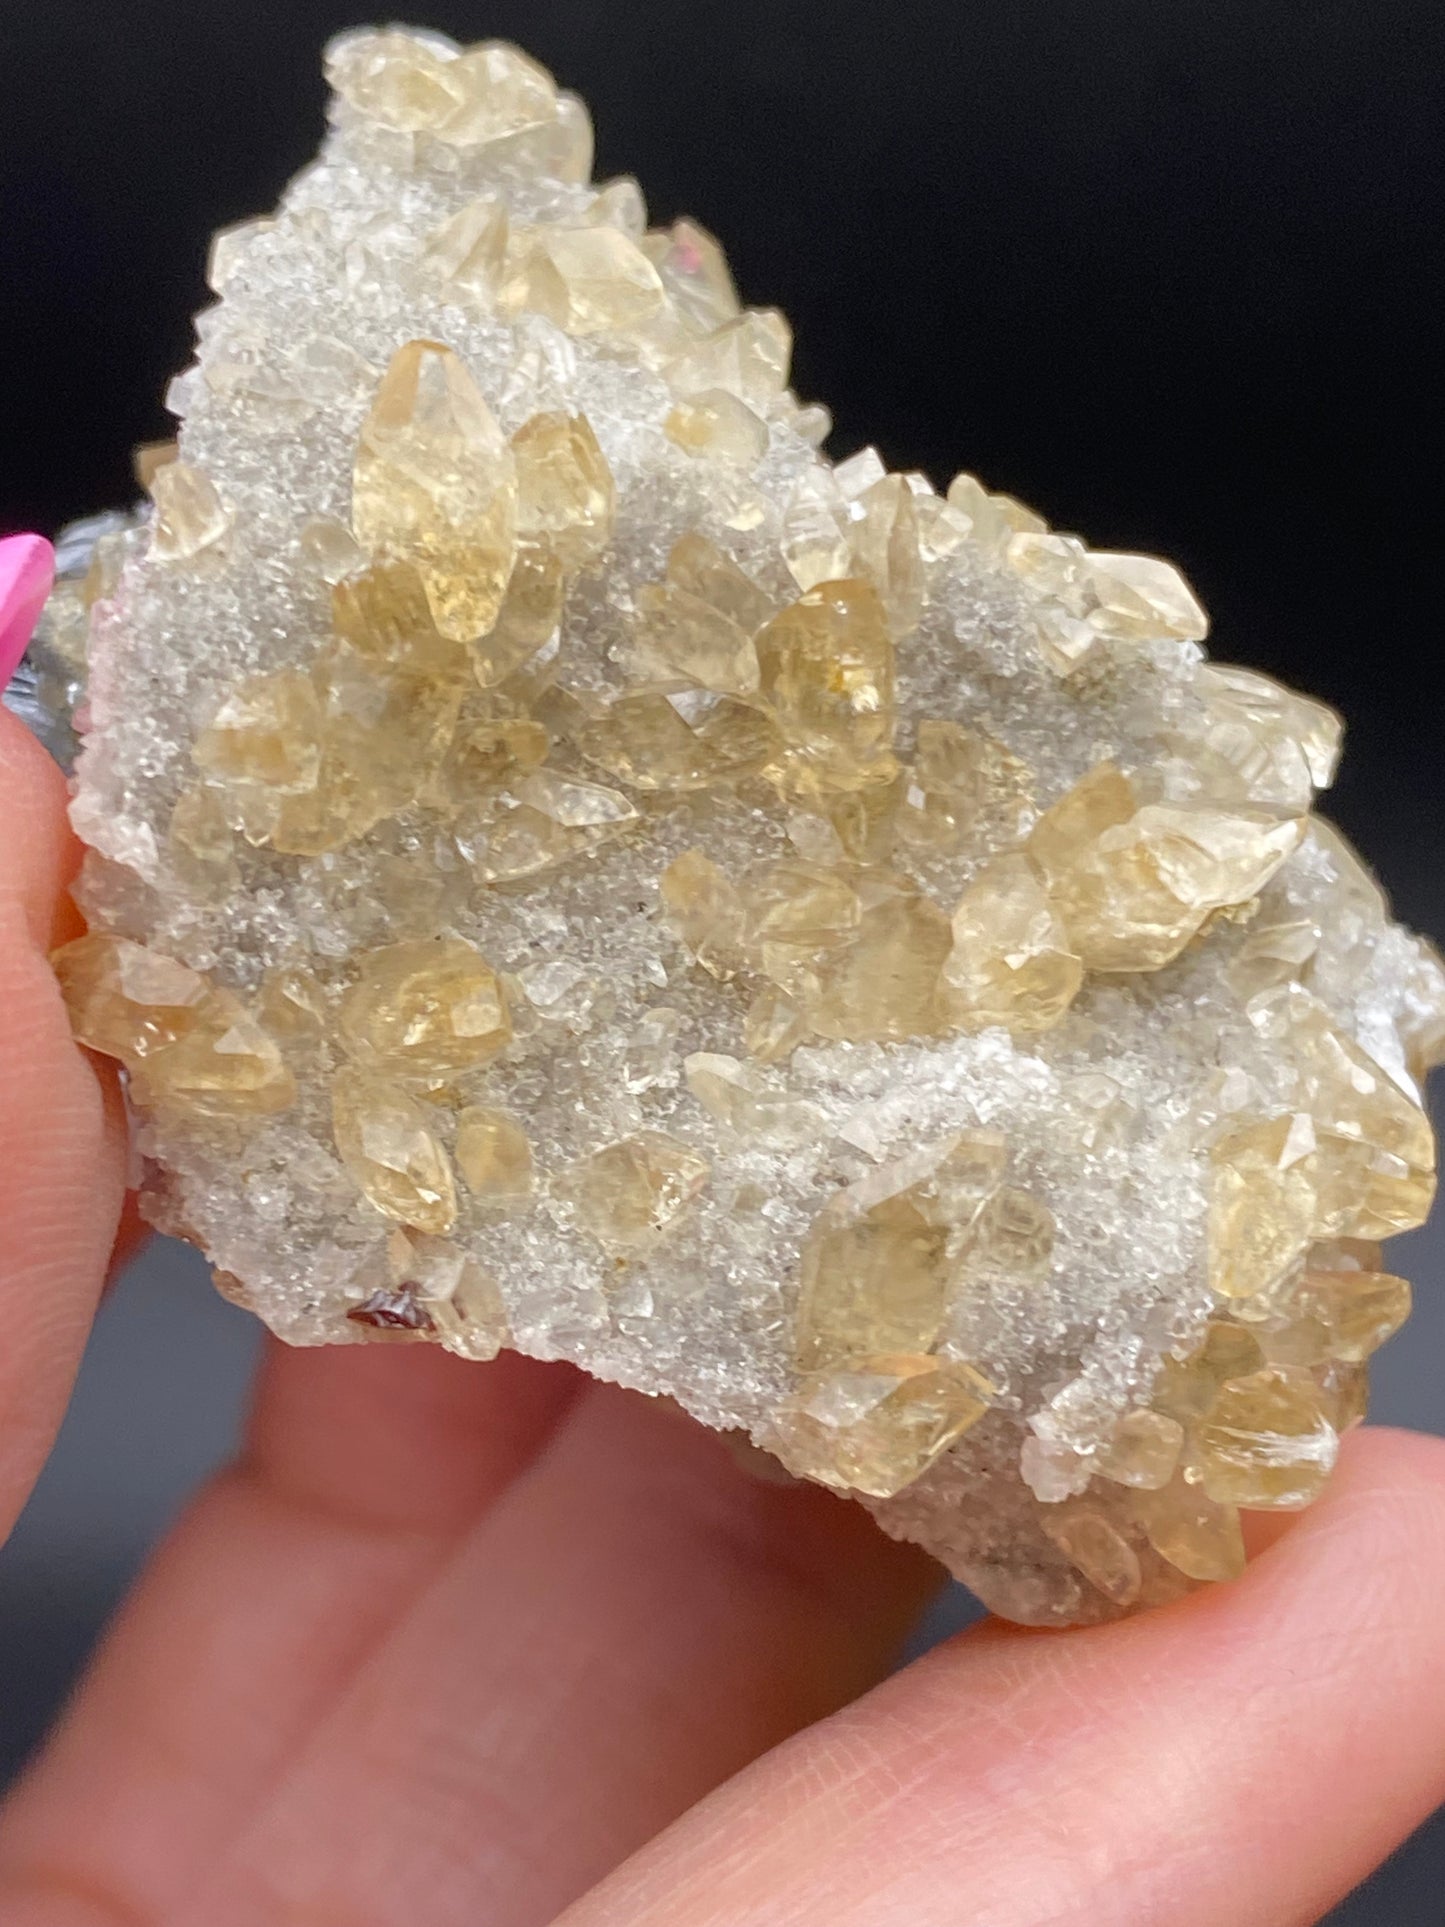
[571,868]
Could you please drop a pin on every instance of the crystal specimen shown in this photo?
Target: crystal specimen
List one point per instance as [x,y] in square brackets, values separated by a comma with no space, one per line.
[571,868]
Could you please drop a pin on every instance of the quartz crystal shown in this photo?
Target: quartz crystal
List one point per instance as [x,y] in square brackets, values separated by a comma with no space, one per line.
[571,868]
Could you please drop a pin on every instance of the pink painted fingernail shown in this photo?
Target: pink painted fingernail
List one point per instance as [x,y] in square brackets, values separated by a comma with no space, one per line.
[27,570]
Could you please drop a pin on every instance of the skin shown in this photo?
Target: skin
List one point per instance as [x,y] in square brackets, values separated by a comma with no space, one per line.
[490,1646]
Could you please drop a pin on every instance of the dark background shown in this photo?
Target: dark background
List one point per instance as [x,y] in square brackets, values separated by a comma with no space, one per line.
[1171,270]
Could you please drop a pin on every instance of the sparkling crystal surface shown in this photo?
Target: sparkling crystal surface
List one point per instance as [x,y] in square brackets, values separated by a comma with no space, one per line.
[571,868]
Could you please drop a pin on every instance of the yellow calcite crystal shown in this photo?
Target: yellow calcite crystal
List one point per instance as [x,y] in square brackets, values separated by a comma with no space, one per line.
[435,485]
[715,422]
[706,910]
[826,668]
[585,280]
[388,1145]
[679,632]
[693,269]
[426,1010]
[1199,1537]
[629,1193]
[1011,961]
[878,1426]
[884,1256]
[1265,1441]
[1098,1549]
[189,1045]
[1135,882]
[572,867]
[566,498]
[191,517]
[493,1154]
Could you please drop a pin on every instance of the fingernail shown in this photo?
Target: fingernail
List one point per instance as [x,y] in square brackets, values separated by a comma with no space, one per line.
[27,570]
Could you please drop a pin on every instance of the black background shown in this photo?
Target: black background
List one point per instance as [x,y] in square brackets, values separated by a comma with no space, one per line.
[1171,270]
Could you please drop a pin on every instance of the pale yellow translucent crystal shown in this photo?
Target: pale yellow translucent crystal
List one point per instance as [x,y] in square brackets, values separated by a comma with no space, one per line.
[990,519]
[1376,1148]
[1357,1160]
[503,93]
[1264,1206]
[189,1045]
[699,568]
[456,1296]
[190,516]
[816,541]
[1355,1311]
[396,80]
[229,247]
[750,1105]
[1265,1442]
[883,985]
[796,914]
[705,909]
[383,739]
[493,1154]
[1255,741]
[585,280]
[1198,1537]
[826,665]
[1143,1451]
[1010,963]
[1083,601]
[1094,1546]
[468,252]
[540,822]
[774,1026]
[566,498]
[485,755]
[878,1427]
[884,532]
[1143,599]
[715,422]
[435,485]
[748,356]
[679,632]
[426,1009]
[385,614]
[1015,1233]
[965,788]
[223,1066]
[125,1000]
[629,1193]
[689,741]
[527,621]
[1187,1387]
[486,94]
[387,1144]
[575,804]
[693,269]
[267,732]
[329,547]
[1134,883]
[150,458]
[292,1005]
[882,1257]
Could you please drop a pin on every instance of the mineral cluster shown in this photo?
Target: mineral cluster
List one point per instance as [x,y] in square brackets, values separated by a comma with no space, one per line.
[571,868]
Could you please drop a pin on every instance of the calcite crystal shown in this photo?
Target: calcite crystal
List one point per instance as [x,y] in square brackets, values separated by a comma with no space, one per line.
[572,868]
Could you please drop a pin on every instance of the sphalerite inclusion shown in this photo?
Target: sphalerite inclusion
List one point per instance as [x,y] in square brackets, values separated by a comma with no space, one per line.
[572,868]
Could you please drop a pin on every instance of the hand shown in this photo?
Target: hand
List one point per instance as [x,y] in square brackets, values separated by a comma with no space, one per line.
[452,1644]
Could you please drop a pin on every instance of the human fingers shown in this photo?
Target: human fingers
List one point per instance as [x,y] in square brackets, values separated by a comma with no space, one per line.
[1239,1759]
[430,1658]
[61,1132]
